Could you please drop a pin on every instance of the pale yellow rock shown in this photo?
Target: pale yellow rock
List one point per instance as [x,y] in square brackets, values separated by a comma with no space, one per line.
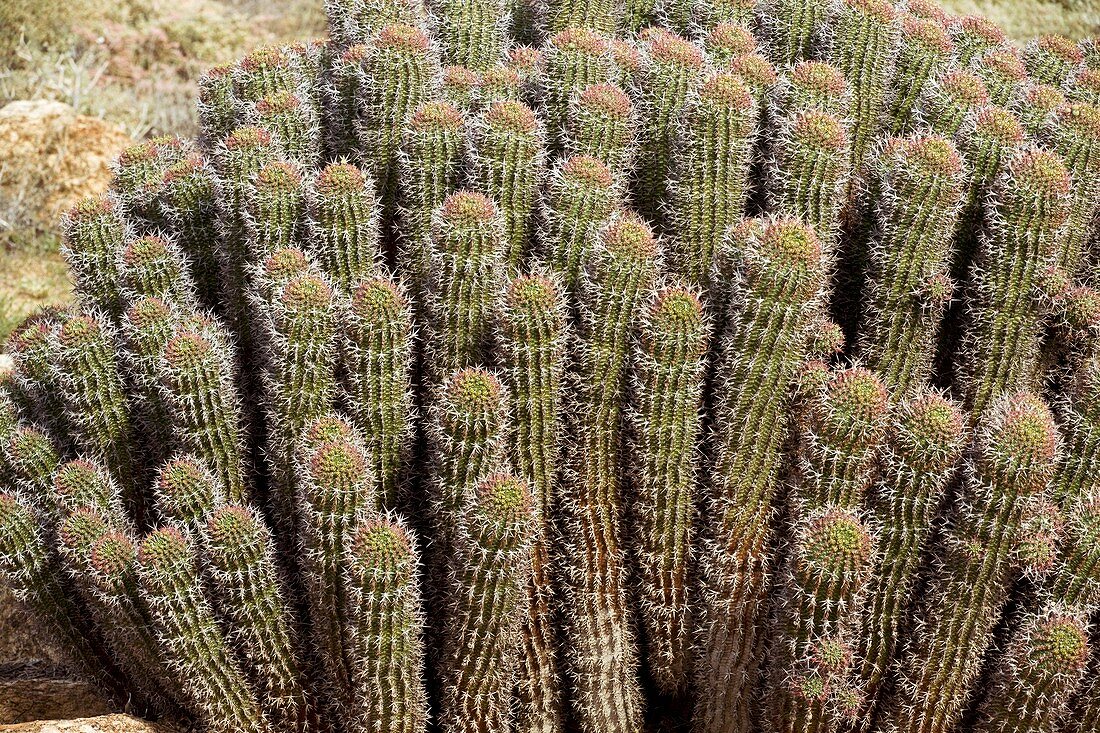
[101,724]
[53,157]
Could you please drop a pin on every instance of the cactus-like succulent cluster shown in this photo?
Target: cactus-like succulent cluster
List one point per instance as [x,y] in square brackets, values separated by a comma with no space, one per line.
[487,367]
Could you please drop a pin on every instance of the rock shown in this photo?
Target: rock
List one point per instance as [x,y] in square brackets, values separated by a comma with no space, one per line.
[20,637]
[54,157]
[100,724]
[38,691]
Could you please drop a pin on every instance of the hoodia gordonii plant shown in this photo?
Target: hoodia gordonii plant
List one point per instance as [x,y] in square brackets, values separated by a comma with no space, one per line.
[583,366]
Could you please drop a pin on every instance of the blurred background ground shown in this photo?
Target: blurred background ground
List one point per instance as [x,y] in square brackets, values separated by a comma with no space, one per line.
[93,74]
[89,76]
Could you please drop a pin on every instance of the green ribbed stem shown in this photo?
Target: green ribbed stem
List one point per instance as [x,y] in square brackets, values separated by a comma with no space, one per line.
[31,460]
[487,577]
[29,568]
[334,496]
[139,172]
[974,36]
[602,16]
[193,644]
[264,71]
[1088,713]
[240,555]
[217,110]
[205,411]
[154,267]
[782,271]
[430,169]
[190,202]
[468,424]
[711,175]
[499,83]
[925,439]
[147,327]
[668,369]
[395,77]
[949,98]
[385,629]
[94,231]
[811,85]
[1036,105]
[601,651]
[602,125]
[843,432]
[459,88]
[112,574]
[352,21]
[187,492]
[1003,73]
[581,195]
[276,208]
[920,183]
[465,272]
[711,15]
[294,125]
[1034,681]
[1030,205]
[830,564]
[244,152]
[811,172]
[675,71]
[924,53]
[344,89]
[95,396]
[301,340]
[572,60]
[472,33]
[34,352]
[792,24]
[864,42]
[1075,135]
[344,225]
[1050,59]
[532,352]
[985,143]
[727,42]
[508,167]
[378,358]
[83,484]
[1011,463]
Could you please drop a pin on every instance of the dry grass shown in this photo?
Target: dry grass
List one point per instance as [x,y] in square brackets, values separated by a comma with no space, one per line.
[1025,19]
[30,277]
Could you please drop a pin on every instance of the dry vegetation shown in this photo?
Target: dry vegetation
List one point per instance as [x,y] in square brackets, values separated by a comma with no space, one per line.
[134,63]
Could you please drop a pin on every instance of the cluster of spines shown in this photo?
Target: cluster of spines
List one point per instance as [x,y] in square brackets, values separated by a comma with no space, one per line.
[149,255]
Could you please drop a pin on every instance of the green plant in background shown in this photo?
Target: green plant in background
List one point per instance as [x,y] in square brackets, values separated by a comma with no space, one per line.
[447,382]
